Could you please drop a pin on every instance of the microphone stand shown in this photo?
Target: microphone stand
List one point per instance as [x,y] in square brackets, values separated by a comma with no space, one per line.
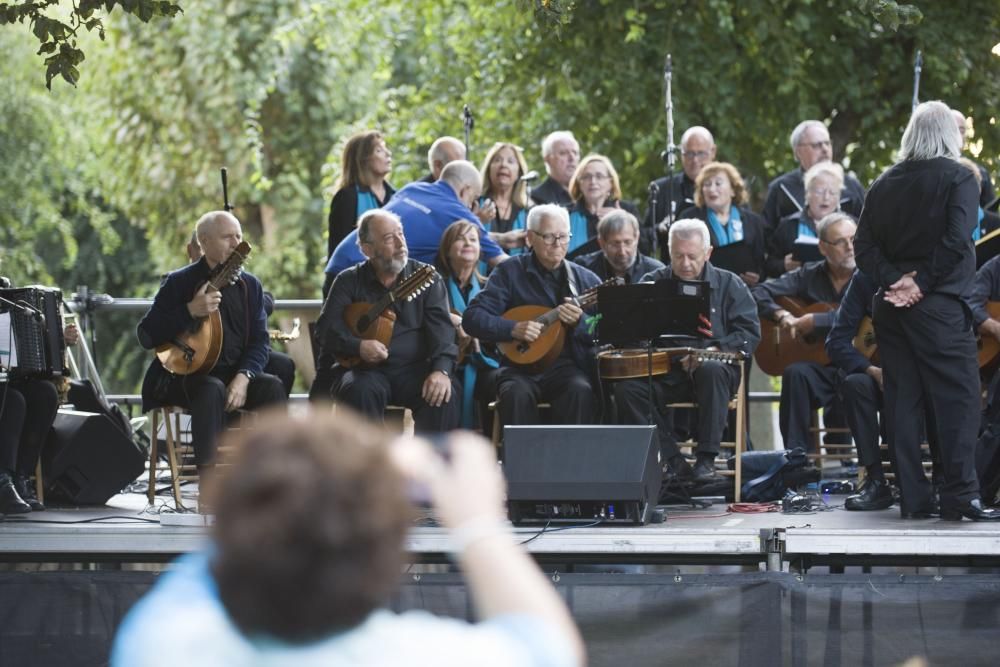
[670,154]
[226,206]
[468,122]
[918,66]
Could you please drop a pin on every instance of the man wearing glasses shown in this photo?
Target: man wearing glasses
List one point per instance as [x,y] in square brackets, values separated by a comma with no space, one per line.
[541,277]
[806,385]
[786,194]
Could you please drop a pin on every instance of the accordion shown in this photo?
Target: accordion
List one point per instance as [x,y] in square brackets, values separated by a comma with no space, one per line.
[32,346]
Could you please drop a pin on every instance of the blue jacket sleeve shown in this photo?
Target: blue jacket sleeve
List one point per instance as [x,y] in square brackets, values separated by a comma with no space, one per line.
[168,315]
[483,318]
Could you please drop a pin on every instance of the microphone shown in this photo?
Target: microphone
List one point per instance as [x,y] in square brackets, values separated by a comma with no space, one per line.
[467,118]
[30,310]
[530,176]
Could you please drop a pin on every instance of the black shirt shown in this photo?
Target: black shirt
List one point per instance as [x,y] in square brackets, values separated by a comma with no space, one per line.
[422,331]
[597,263]
[779,204]
[235,324]
[683,196]
[551,192]
[810,282]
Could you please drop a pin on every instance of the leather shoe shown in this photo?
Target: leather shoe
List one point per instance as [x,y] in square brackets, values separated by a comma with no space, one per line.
[26,490]
[973,510]
[10,502]
[874,495]
[704,471]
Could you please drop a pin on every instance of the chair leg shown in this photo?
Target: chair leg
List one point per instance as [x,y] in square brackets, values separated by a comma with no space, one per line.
[39,482]
[173,440]
[153,454]
[496,428]
[740,437]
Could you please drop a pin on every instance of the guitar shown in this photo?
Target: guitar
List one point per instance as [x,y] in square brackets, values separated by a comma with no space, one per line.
[634,362]
[778,350]
[541,353]
[375,321]
[197,349]
[988,347]
[864,340]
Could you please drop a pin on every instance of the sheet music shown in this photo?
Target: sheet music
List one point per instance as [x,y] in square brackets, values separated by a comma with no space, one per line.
[8,348]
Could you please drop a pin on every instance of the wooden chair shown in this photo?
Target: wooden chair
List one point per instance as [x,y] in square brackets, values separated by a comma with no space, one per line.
[823,452]
[738,443]
[495,437]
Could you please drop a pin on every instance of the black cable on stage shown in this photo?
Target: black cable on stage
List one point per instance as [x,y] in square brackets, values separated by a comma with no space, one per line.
[118,519]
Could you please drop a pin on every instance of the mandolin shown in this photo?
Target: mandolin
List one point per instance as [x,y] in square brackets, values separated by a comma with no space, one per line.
[536,356]
[197,349]
[778,350]
[375,321]
[629,363]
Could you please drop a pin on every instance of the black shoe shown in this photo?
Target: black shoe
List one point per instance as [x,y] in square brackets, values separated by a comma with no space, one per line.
[26,490]
[874,495]
[10,502]
[973,510]
[704,471]
[677,471]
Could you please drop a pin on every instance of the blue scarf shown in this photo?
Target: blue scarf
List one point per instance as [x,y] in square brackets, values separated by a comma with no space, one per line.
[727,234]
[366,202]
[578,228]
[473,361]
[805,229]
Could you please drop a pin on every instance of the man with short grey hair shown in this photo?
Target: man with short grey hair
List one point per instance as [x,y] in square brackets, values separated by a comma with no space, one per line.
[810,142]
[619,256]
[442,152]
[697,149]
[561,154]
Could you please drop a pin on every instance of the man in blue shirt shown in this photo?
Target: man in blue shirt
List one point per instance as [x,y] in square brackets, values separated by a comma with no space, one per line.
[426,210]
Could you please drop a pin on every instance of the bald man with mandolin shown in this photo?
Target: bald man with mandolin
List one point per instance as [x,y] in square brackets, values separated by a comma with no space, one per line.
[195,304]
[386,333]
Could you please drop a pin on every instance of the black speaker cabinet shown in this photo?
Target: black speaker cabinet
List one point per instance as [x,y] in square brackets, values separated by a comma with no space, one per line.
[88,459]
[578,474]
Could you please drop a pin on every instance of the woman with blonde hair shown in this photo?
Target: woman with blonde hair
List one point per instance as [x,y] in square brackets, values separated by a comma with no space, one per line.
[596,191]
[504,201]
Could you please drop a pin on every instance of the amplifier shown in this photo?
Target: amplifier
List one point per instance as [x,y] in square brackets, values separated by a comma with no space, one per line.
[581,474]
[38,348]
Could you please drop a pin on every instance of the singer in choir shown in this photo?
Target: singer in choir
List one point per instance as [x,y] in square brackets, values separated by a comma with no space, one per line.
[505,194]
[596,191]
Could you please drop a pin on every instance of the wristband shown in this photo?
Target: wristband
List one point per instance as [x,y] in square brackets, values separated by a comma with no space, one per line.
[473,530]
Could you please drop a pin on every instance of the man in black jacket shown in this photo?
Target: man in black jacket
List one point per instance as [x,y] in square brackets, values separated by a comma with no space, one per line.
[415,369]
[561,154]
[619,256]
[237,380]
[734,327]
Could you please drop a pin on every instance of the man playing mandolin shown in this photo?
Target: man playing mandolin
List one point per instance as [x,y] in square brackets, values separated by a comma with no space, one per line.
[413,365]
[808,385]
[545,279]
[711,383]
[184,303]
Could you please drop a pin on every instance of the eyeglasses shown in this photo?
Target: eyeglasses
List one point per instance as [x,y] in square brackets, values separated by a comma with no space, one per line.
[843,244]
[825,192]
[695,155]
[553,239]
[816,145]
[594,177]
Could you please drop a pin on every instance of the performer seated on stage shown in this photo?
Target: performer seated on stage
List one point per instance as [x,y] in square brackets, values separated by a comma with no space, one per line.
[415,369]
[27,411]
[596,192]
[806,385]
[278,363]
[794,242]
[734,327]
[542,277]
[238,379]
[859,387]
[476,373]
[619,256]
[307,551]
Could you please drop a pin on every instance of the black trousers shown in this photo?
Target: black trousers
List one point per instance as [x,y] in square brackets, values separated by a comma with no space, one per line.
[711,386]
[281,366]
[563,385]
[204,396]
[929,362]
[805,387]
[28,410]
[862,399]
[369,390]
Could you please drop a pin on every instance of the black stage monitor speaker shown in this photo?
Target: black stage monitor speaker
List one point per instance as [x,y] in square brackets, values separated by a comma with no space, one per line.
[88,459]
[563,474]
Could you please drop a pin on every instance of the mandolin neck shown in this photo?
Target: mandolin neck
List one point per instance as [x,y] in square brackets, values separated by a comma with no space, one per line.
[550,317]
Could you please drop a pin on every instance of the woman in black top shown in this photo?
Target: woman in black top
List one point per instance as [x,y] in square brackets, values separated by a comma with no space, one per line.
[737,234]
[501,172]
[914,241]
[595,191]
[365,165]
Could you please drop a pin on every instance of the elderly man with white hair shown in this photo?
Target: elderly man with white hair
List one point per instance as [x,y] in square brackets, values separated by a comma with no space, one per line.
[541,277]
[810,142]
[733,326]
[561,153]
[237,379]
[442,152]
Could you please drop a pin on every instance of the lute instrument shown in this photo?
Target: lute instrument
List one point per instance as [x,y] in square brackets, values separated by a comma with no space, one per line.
[375,321]
[197,349]
[778,350]
[536,356]
[626,363]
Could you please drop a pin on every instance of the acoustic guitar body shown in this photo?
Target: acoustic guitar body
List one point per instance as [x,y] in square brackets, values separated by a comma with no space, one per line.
[778,350]
[379,329]
[988,347]
[538,355]
[630,363]
[205,341]
[864,341]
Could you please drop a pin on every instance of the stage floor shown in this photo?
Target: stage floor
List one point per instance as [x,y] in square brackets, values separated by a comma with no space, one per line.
[126,530]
